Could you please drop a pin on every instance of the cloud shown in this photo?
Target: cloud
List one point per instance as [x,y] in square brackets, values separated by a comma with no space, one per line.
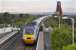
[36,5]
[28,5]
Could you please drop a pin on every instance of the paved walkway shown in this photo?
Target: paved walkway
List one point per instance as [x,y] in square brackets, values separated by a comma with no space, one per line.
[40,45]
[47,40]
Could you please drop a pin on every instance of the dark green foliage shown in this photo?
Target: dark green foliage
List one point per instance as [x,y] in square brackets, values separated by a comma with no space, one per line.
[15,19]
[51,22]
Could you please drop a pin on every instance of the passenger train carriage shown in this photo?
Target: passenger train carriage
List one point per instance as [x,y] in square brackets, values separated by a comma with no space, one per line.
[30,33]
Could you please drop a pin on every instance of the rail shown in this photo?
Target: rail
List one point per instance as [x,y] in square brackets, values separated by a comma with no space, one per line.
[9,41]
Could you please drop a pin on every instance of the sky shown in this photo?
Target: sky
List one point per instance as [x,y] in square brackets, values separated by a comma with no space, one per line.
[29,6]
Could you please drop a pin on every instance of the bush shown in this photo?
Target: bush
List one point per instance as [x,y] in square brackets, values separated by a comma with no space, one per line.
[60,38]
[69,47]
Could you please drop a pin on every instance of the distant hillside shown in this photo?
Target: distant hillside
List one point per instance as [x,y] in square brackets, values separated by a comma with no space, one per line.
[46,13]
[69,13]
[49,13]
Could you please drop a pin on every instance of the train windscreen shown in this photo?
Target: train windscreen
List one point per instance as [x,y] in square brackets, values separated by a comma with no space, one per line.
[29,28]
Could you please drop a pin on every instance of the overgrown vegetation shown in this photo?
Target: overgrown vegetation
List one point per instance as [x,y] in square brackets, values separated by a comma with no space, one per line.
[60,37]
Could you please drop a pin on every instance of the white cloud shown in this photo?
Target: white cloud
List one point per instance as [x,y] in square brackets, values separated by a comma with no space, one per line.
[35,5]
[28,5]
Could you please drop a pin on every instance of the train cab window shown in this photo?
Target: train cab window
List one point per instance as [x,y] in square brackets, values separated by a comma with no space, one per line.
[29,28]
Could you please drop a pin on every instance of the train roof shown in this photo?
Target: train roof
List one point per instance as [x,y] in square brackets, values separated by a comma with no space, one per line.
[31,24]
[39,19]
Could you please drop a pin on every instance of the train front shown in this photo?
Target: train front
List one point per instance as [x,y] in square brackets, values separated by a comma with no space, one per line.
[28,34]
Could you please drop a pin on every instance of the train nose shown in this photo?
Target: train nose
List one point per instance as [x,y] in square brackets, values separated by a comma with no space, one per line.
[28,39]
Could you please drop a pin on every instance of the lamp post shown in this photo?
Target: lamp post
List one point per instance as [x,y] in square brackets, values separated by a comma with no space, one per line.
[72,19]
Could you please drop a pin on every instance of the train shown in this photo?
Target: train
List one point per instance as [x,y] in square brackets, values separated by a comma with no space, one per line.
[31,31]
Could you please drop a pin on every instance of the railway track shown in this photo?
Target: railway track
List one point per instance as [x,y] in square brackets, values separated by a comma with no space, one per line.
[21,46]
[3,34]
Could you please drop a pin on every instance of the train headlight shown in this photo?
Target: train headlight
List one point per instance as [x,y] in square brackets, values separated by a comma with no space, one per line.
[24,37]
[32,38]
